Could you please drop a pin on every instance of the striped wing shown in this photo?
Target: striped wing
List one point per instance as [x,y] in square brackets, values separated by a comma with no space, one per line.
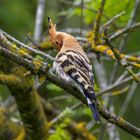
[78,68]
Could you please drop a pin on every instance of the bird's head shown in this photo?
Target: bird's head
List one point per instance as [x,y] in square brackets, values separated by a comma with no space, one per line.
[59,39]
[56,38]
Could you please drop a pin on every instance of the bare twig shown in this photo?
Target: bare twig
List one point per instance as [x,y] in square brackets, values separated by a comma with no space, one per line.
[121,77]
[86,8]
[128,98]
[112,87]
[82,39]
[74,31]
[111,20]
[39,20]
[75,106]
[82,7]
[58,98]
[78,6]
[124,31]
[131,21]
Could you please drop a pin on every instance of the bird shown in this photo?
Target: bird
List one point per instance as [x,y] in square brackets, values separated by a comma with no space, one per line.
[72,63]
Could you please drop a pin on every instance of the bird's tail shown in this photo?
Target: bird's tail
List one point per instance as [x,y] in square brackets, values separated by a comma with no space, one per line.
[91,100]
[94,110]
[95,113]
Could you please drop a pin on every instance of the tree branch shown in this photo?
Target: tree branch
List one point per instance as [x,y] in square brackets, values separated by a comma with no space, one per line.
[123,62]
[39,20]
[9,129]
[30,108]
[9,79]
[112,87]
[124,31]
[111,20]
[68,86]
[97,22]
[124,40]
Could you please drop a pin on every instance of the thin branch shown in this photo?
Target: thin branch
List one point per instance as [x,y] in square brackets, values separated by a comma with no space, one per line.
[81,24]
[9,102]
[20,44]
[74,31]
[39,20]
[103,83]
[120,122]
[121,77]
[105,50]
[75,106]
[97,22]
[112,87]
[124,31]
[58,98]
[111,20]
[128,98]
[124,40]
[82,39]
[101,77]
[123,62]
[131,21]
[85,8]
[78,6]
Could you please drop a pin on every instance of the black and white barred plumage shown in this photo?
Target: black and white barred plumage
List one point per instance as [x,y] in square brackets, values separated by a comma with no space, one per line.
[73,65]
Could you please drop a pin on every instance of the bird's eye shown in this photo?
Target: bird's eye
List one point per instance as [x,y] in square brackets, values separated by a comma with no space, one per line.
[49,26]
[57,42]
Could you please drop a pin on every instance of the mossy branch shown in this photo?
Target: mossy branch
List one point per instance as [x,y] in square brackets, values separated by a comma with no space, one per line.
[68,86]
[125,30]
[8,127]
[9,79]
[28,104]
[97,23]
[123,62]
[31,112]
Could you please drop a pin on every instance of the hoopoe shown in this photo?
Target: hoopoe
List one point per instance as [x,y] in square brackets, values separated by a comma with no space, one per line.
[73,64]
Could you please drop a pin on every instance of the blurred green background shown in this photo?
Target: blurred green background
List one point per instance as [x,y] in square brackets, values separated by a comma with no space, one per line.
[17,17]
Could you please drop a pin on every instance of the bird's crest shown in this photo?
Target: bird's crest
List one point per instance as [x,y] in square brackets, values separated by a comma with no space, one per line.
[51,24]
[52,30]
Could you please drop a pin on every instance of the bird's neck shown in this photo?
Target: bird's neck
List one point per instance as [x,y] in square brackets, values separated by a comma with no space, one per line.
[74,45]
